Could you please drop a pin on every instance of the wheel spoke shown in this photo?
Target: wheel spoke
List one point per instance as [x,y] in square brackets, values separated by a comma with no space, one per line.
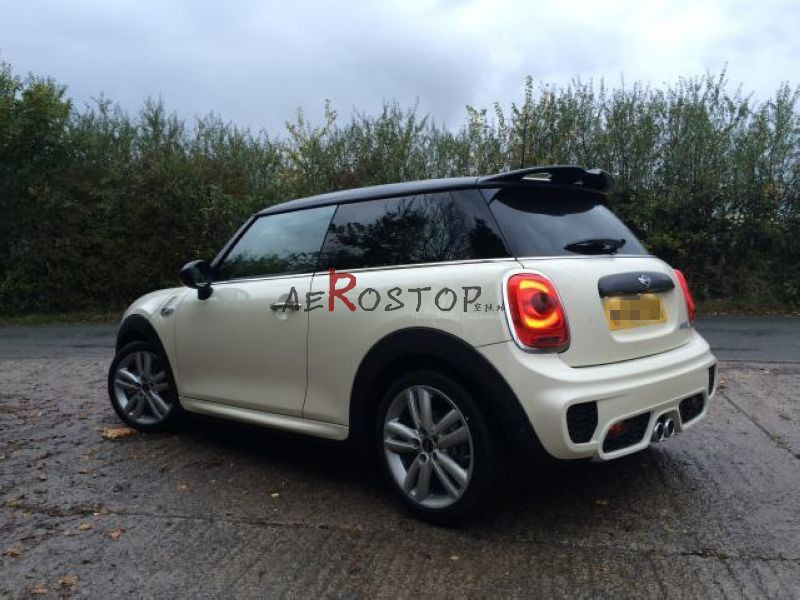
[147,363]
[159,377]
[454,437]
[160,387]
[125,374]
[399,446]
[456,471]
[425,409]
[411,476]
[397,428]
[139,363]
[125,384]
[443,478]
[154,408]
[424,482]
[412,408]
[157,401]
[135,405]
[446,421]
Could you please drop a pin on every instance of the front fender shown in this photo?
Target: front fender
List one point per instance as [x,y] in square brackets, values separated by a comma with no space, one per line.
[146,320]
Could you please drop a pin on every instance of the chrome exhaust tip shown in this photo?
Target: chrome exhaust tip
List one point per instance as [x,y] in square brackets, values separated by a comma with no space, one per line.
[669,428]
[658,432]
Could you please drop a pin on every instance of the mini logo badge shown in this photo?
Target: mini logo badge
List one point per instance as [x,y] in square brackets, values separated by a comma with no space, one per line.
[644,280]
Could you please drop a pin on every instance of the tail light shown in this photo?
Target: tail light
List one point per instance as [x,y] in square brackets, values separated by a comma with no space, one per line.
[686,294]
[536,312]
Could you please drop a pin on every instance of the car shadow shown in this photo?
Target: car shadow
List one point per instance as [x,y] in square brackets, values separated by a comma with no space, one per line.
[554,499]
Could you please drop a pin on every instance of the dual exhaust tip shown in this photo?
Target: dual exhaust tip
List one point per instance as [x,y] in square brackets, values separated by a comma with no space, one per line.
[663,430]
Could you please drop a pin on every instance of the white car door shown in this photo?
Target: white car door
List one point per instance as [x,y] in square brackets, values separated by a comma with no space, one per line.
[245,345]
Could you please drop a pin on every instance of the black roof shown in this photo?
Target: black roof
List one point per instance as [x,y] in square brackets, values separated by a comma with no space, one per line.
[563,175]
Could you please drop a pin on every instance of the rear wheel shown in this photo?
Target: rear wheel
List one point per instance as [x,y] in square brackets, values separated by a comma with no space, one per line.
[435,447]
[142,388]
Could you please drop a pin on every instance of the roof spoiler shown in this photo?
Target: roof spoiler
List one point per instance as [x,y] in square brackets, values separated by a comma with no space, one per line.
[593,179]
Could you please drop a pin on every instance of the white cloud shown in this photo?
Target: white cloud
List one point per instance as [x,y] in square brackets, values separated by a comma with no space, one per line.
[255,62]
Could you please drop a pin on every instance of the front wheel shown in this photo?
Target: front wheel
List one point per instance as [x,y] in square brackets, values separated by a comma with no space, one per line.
[142,389]
[435,447]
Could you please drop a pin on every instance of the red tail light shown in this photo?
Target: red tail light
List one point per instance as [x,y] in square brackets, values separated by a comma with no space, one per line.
[537,314]
[686,294]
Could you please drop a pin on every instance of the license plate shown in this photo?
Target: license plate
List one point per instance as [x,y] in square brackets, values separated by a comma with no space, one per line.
[626,312]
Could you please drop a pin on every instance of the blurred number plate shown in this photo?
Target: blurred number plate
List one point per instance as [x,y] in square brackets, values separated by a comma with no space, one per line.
[626,312]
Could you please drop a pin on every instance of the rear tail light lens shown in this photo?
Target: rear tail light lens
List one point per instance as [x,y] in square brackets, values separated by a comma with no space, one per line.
[686,294]
[536,312]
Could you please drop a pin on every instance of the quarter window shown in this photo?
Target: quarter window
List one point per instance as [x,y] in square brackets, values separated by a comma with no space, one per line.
[279,244]
[416,229]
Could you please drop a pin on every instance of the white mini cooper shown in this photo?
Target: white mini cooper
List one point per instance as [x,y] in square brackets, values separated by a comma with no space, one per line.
[444,322]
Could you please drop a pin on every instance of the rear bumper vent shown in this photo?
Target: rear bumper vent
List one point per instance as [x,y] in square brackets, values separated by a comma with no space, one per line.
[633,432]
[582,421]
[712,373]
[690,408]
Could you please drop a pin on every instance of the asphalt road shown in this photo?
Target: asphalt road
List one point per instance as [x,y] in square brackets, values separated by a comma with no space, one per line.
[222,510]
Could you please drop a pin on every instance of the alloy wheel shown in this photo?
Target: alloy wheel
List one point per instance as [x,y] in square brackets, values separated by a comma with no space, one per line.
[140,383]
[428,447]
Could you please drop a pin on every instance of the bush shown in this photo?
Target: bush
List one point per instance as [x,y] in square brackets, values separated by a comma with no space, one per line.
[99,206]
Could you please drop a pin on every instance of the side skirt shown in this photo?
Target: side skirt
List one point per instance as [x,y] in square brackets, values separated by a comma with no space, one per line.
[321,429]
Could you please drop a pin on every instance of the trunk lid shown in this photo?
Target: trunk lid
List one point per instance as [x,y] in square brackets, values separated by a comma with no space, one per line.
[592,341]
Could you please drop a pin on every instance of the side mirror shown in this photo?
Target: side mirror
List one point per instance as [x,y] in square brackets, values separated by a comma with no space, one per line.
[197,274]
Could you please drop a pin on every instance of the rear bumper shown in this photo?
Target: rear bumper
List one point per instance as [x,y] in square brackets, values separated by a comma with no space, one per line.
[546,387]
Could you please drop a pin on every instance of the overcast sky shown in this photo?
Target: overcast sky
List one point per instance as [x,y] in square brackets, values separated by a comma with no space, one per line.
[255,61]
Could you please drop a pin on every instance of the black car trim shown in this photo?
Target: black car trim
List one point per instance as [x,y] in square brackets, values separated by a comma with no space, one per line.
[635,282]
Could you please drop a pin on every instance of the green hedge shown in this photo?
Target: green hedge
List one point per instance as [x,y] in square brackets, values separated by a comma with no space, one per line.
[99,206]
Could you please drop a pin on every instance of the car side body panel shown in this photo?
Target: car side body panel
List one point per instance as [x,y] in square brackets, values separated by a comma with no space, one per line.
[339,340]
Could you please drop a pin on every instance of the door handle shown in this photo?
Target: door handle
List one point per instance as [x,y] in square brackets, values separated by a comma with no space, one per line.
[284,306]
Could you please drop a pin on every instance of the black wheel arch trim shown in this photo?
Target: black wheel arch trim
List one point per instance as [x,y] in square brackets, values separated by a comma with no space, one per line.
[137,327]
[422,347]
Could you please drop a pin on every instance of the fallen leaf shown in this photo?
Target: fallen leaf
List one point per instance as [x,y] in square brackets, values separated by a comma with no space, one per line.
[601,502]
[85,526]
[275,495]
[183,487]
[14,551]
[115,533]
[41,477]
[39,589]
[454,557]
[67,581]
[115,433]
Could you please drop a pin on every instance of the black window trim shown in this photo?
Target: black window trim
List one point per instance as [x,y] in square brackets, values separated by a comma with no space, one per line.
[480,191]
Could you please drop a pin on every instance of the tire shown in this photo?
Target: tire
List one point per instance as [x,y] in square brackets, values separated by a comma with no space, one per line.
[148,404]
[440,473]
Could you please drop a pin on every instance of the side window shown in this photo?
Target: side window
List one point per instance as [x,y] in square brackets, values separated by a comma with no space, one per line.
[417,229]
[279,244]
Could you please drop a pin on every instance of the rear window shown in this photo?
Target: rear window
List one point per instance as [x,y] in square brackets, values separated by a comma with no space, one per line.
[541,222]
